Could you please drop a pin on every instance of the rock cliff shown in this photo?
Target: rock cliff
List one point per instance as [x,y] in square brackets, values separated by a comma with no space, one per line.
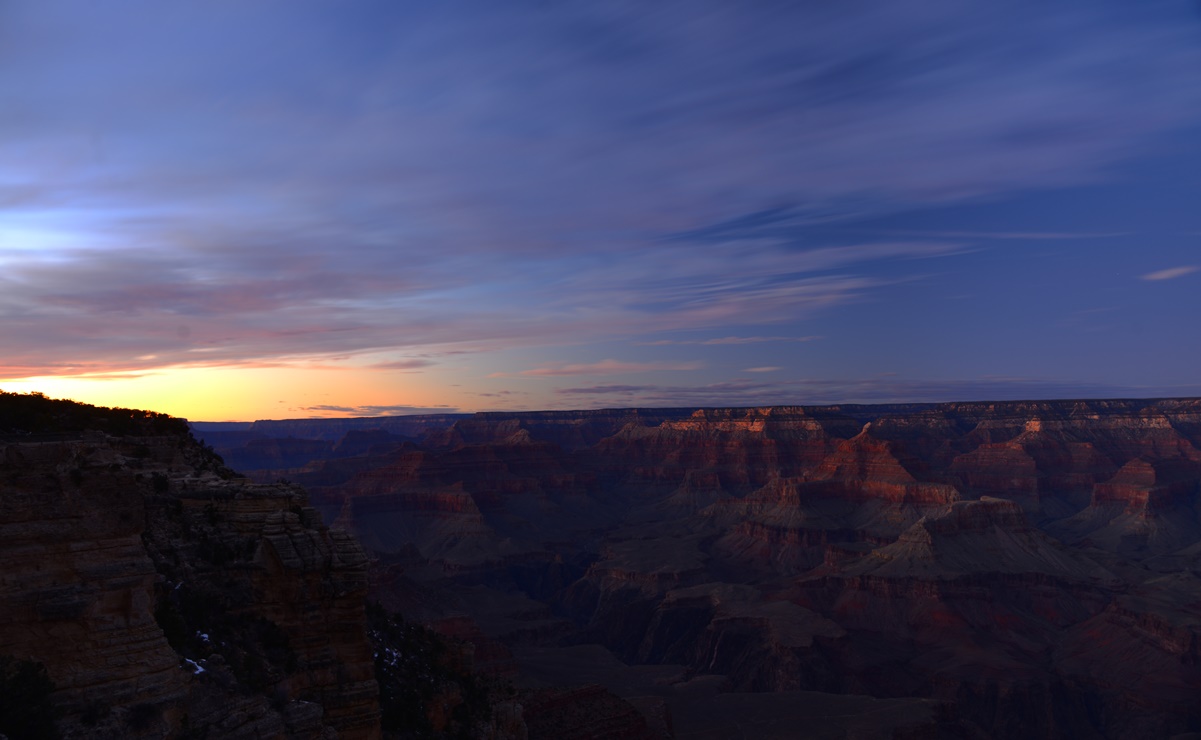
[167,597]
[1027,568]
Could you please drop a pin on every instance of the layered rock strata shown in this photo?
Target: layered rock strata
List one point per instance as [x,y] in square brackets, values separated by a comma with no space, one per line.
[1026,567]
[990,557]
[165,596]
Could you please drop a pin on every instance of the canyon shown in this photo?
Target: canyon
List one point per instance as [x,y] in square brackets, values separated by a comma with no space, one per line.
[1010,569]
[964,570]
[147,590]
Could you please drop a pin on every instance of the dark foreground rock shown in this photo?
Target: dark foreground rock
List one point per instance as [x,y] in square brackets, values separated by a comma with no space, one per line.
[166,596]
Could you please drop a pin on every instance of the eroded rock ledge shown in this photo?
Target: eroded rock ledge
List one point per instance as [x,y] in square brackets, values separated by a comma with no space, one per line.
[166,596]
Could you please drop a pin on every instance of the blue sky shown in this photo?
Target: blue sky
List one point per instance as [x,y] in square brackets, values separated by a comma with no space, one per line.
[241,210]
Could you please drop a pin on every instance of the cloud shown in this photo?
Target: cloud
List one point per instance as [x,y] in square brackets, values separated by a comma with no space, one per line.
[1006,235]
[401,365]
[604,367]
[882,389]
[727,340]
[1170,273]
[399,410]
[766,369]
[753,340]
[677,286]
[530,175]
[10,373]
[597,390]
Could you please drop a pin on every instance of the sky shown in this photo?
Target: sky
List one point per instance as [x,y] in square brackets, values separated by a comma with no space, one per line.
[278,209]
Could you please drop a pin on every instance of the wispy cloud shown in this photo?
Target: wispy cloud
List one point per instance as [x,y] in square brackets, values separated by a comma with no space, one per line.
[604,367]
[765,369]
[676,287]
[600,390]
[884,389]
[378,410]
[1171,273]
[726,340]
[529,175]
[402,365]
[1002,235]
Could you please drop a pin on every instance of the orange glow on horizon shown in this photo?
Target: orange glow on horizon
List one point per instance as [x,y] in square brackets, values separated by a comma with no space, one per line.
[240,393]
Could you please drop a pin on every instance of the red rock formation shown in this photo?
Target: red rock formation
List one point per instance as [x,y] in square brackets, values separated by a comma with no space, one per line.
[930,536]
[970,574]
[970,538]
[742,448]
[860,492]
[469,506]
[865,467]
[1047,470]
[312,583]
[1147,508]
[1000,469]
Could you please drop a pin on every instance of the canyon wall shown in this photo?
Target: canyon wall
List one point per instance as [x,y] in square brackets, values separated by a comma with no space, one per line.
[1004,560]
[165,596]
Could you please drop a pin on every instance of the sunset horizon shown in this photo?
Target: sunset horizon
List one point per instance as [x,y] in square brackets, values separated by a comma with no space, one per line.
[381,369]
[281,210]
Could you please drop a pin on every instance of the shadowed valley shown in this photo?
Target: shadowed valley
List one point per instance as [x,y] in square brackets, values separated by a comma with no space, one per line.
[1016,569]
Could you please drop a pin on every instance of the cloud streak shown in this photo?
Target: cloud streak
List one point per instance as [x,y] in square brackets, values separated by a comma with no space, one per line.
[330,409]
[1171,273]
[604,367]
[415,179]
[726,340]
[402,365]
[744,392]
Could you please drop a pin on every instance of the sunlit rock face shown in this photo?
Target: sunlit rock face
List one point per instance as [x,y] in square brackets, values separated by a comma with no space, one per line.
[1026,567]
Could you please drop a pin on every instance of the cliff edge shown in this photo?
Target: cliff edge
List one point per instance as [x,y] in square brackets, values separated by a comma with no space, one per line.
[166,596]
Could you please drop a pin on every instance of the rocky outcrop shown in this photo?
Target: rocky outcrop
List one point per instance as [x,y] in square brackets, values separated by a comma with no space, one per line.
[742,449]
[277,454]
[165,596]
[77,587]
[973,538]
[761,645]
[569,430]
[241,552]
[966,596]
[1148,508]
[488,656]
[1155,630]
[1048,473]
[860,494]
[330,430]
[583,713]
[468,507]
[269,450]
[1023,566]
